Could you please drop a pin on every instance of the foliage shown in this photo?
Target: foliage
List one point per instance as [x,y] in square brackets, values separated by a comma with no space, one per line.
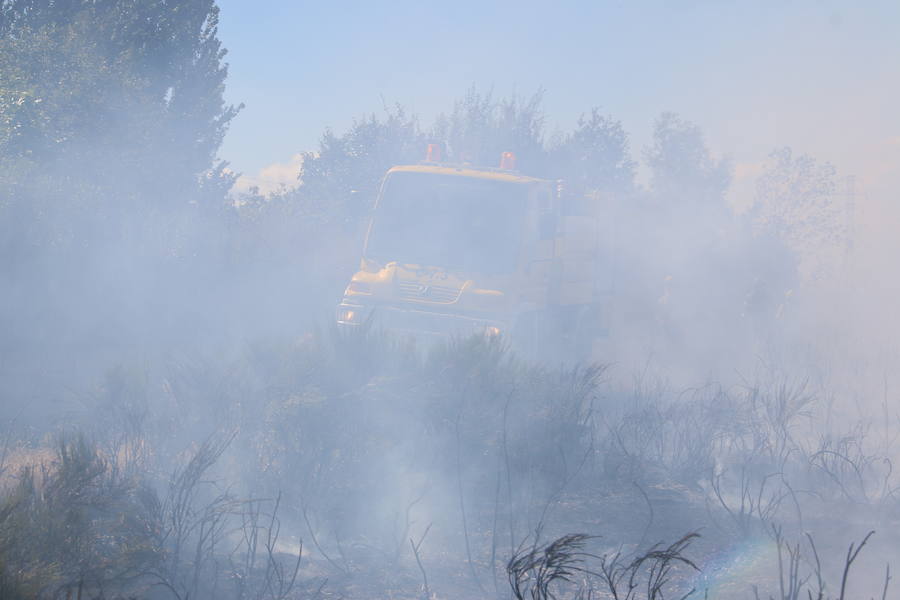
[682,170]
[480,128]
[595,156]
[111,115]
[116,99]
[89,525]
[112,200]
[340,181]
[801,200]
[75,524]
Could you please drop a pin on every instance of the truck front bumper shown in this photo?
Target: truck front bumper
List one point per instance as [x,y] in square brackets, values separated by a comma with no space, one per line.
[416,322]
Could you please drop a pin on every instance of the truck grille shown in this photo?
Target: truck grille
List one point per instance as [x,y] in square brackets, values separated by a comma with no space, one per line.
[421,322]
[421,292]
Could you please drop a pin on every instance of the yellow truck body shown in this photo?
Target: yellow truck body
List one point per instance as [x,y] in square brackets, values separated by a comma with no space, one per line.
[457,251]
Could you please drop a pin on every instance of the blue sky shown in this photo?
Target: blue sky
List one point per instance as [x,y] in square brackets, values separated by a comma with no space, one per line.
[821,76]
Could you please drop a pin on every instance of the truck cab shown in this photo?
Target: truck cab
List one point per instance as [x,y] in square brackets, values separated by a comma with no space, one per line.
[457,250]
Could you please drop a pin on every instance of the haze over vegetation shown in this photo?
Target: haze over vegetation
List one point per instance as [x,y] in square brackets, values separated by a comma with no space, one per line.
[181,417]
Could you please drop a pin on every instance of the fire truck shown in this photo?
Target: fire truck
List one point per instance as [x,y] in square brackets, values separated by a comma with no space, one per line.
[455,250]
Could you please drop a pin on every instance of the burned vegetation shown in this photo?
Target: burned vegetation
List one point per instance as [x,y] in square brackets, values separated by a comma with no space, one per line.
[462,472]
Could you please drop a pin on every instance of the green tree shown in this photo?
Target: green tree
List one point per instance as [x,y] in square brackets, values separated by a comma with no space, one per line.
[683,172]
[109,110]
[479,129]
[340,181]
[801,201]
[595,156]
[111,117]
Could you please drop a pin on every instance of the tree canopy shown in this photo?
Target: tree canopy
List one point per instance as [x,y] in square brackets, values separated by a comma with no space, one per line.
[108,106]
[111,192]
[339,182]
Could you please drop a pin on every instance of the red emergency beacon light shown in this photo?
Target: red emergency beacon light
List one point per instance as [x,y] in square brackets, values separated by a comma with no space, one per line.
[508,161]
[434,153]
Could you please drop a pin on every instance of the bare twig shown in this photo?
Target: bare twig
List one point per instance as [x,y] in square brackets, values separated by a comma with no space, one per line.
[851,556]
[415,548]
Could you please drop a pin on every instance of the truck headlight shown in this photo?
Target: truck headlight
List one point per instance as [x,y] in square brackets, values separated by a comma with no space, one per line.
[349,315]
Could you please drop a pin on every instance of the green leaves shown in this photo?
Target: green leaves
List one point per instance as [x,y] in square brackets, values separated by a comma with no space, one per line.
[682,166]
[341,180]
[128,93]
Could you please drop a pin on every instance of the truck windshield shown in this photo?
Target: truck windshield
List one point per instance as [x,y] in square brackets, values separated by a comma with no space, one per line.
[450,221]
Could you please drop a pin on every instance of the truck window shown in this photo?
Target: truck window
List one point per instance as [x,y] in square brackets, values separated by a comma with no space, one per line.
[454,222]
